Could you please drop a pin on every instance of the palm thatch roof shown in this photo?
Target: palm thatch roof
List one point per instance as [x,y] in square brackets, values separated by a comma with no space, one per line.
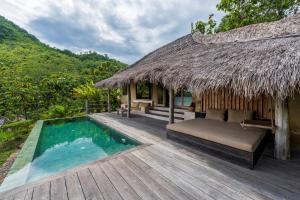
[256,59]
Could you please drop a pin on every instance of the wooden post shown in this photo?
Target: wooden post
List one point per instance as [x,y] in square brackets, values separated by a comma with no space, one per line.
[108,101]
[282,134]
[128,100]
[164,97]
[86,106]
[171,106]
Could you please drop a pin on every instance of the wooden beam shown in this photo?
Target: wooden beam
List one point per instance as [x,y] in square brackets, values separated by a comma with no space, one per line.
[108,101]
[171,106]
[282,135]
[128,101]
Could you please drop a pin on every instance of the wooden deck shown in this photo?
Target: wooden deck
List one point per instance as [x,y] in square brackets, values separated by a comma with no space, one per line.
[161,169]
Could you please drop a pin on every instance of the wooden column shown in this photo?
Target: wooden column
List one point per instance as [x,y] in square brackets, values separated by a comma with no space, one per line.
[128,101]
[282,135]
[108,101]
[171,106]
[164,97]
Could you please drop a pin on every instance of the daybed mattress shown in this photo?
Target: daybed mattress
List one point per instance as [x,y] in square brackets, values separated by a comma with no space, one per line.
[226,133]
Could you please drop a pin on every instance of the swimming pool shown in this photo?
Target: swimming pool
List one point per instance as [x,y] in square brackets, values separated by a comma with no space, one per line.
[57,145]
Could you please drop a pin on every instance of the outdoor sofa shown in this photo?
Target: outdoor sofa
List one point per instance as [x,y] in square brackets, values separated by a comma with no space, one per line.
[228,140]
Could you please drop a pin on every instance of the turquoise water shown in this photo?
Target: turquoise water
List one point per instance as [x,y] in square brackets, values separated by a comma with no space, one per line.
[64,144]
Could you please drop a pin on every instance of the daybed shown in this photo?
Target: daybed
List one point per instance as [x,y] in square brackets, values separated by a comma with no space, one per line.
[228,139]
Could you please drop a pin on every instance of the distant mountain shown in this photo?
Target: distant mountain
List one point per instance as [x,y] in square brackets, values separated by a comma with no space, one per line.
[25,55]
[35,77]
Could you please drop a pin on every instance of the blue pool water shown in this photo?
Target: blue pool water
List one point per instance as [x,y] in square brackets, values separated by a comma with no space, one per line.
[64,144]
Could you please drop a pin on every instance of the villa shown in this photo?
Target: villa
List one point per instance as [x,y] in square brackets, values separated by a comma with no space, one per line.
[199,110]
[251,70]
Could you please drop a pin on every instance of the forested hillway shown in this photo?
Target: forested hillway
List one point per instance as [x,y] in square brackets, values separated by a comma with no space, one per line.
[39,82]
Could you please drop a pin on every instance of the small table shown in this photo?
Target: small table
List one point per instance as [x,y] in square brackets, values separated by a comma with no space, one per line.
[143,101]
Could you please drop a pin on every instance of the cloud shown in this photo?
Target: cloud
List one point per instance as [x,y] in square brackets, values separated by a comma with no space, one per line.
[123,29]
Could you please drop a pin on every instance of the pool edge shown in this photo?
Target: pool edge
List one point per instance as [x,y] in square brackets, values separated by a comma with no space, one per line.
[26,154]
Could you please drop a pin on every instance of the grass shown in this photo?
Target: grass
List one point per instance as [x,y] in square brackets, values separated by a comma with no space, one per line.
[10,140]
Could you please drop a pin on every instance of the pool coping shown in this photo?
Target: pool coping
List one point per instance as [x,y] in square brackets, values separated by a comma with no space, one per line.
[26,154]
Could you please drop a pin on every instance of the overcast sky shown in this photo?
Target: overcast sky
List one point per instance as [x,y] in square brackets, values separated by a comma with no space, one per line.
[123,29]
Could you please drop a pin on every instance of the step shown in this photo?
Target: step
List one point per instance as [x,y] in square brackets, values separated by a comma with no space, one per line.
[163,113]
[154,116]
[166,109]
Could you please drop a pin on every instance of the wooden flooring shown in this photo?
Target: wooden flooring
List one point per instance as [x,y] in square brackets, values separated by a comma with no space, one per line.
[162,169]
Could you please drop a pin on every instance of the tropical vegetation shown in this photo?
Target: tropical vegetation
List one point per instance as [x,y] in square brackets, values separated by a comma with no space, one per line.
[240,13]
[40,82]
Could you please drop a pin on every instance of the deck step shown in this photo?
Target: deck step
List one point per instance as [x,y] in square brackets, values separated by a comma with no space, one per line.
[166,114]
[166,109]
[156,116]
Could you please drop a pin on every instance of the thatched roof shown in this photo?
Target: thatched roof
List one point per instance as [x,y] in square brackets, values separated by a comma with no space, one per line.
[256,59]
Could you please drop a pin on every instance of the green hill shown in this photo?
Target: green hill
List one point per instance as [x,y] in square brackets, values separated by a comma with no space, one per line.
[36,77]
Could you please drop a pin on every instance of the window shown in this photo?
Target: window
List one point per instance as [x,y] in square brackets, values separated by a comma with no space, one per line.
[183,98]
[143,91]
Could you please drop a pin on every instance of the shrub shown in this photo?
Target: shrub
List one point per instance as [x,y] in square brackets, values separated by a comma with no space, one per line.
[57,111]
[17,125]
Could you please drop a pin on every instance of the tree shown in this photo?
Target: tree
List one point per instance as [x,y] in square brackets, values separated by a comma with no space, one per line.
[207,28]
[244,12]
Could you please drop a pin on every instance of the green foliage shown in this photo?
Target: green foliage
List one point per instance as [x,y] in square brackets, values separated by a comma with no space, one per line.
[12,135]
[245,12]
[35,78]
[242,13]
[57,111]
[86,91]
[17,125]
[10,141]
[206,28]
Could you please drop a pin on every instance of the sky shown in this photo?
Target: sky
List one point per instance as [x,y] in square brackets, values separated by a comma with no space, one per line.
[123,29]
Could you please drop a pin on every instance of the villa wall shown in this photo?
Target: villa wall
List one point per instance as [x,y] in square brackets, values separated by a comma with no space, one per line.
[224,99]
[294,118]
[261,106]
[133,94]
[154,94]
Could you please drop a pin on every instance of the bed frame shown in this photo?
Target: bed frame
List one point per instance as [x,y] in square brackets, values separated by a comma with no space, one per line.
[241,157]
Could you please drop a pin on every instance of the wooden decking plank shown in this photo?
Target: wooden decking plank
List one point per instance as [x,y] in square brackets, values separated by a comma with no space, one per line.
[205,176]
[173,175]
[106,187]
[162,180]
[226,174]
[20,195]
[41,192]
[89,187]
[7,198]
[201,183]
[141,189]
[123,188]
[74,189]
[130,128]
[29,194]
[256,175]
[58,189]
[236,173]
[212,173]
[152,184]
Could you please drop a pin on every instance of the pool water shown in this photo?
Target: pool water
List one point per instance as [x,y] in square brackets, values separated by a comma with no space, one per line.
[64,144]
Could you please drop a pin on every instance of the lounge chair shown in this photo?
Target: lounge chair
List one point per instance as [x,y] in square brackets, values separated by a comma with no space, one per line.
[226,139]
[121,111]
